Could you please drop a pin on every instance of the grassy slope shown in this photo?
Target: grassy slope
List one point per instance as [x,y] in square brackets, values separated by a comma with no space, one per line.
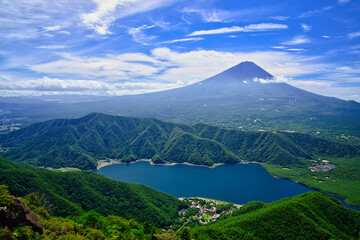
[308,216]
[346,176]
[73,192]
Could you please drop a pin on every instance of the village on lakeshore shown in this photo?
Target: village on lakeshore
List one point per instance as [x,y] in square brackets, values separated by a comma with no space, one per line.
[324,166]
[203,211]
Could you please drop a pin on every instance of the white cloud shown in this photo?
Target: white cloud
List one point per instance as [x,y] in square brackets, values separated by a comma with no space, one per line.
[53,84]
[278,79]
[280,18]
[297,40]
[107,11]
[289,49]
[184,40]
[64,32]
[22,19]
[48,86]
[139,36]
[306,27]
[315,12]
[52,28]
[100,18]
[355,47]
[249,28]
[279,47]
[220,15]
[327,88]
[296,49]
[343,1]
[125,66]
[214,15]
[344,68]
[52,46]
[161,24]
[354,34]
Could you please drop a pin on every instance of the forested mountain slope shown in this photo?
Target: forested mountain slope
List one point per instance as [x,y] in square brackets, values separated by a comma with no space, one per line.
[72,193]
[308,216]
[81,142]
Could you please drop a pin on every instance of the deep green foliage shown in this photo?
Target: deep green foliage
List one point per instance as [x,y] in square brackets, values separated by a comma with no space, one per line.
[86,225]
[191,212]
[249,207]
[81,142]
[224,207]
[75,192]
[308,216]
[5,198]
[185,234]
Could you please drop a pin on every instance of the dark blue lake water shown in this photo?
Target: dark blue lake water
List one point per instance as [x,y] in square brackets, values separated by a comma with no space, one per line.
[239,183]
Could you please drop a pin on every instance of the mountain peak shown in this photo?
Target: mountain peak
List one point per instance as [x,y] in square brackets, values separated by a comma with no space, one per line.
[244,71]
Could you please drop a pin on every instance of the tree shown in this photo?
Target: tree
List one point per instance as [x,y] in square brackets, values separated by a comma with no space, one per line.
[147,227]
[91,219]
[185,235]
[5,198]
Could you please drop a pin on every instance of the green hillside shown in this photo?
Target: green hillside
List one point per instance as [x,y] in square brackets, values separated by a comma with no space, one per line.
[80,226]
[308,216]
[82,142]
[72,193]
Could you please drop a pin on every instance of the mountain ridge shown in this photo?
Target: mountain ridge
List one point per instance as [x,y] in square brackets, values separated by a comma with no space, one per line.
[82,142]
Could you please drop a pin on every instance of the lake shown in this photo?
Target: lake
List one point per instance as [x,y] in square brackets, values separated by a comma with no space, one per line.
[238,183]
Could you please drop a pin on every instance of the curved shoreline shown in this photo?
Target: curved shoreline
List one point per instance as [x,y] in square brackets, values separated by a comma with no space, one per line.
[112,162]
[102,164]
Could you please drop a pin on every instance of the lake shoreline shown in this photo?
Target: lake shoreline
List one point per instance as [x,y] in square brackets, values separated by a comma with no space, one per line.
[102,163]
[271,173]
[112,162]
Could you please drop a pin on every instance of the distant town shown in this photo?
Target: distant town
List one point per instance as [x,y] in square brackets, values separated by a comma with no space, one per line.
[203,211]
[324,166]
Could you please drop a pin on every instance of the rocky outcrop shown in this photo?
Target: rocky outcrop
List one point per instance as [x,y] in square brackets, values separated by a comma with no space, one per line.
[19,215]
[7,218]
[27,217]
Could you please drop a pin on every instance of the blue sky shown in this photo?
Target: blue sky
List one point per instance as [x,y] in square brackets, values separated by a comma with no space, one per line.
[116,47]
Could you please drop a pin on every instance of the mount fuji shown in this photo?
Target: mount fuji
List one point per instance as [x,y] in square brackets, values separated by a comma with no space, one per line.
[244,96]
